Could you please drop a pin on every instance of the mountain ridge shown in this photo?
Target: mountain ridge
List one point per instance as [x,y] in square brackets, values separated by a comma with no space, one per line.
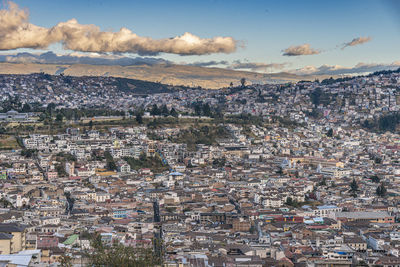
[173,74]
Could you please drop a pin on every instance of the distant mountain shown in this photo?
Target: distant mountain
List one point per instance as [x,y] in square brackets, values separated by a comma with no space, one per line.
[148,69]
[52,58]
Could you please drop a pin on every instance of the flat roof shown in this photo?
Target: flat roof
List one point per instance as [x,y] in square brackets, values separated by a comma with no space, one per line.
[363,214]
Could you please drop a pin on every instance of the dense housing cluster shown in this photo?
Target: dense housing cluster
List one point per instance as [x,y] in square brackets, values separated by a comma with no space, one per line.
[302,174]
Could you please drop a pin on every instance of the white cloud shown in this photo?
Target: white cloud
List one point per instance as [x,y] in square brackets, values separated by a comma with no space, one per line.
[17,32]
[257,66]
[360,68]
[357,41]
[300,50]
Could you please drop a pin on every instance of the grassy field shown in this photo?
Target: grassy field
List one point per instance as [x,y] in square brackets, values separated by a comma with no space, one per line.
[8,142]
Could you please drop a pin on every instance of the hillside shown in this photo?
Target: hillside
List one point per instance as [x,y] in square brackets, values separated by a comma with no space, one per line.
[164,73]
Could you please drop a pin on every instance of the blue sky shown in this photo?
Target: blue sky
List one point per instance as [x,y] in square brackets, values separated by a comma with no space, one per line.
[264,27]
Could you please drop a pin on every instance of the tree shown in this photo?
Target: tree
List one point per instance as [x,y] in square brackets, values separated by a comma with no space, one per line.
[252,229]
[329,133]
[60,170]
[5,203]
[173,113]
[139,118]
[207,110]
[59,117]
[111,165]
[164,110]
[110,161]
[26,108]
[354,188]
[66,261]
[119,255]
[142,156]
[198,108]
[170,209]
[28,152]
[289,201]
[243,82]
[375,179]
[315,96]
[50,107]
[70,202]
[219,162]
[155,110]
[381,190]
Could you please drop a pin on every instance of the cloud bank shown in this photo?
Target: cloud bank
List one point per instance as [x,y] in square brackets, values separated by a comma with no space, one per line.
[357,41]
[114,59]
[300,50]
[208,63]
[255,66]
[240,65]
[360,68]
[17,32]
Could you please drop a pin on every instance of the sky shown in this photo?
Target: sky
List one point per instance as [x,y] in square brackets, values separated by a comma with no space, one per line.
[302,37]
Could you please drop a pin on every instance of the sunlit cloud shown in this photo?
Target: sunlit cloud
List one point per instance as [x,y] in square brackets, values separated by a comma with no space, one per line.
[17,32]
[256,66]
[357,41]
[300,50]
[360,68]
[208,63]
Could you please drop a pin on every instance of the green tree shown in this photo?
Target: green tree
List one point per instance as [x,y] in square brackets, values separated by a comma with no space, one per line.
[5,203]
[26,108]
[315,96]
[173,113]
[65,261]
[60,170]
[289,201]
[381,190]
[155,110]
[110,161]
[142,156]
[207,110]
[111,165]
[354,188]
[50,108]
[59,117]
[164,110]
[375,179]
[378,160]
[219,162]
[329,133]
[117,254]
[70,202]
[243,82]
[139,118]
[198,109]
